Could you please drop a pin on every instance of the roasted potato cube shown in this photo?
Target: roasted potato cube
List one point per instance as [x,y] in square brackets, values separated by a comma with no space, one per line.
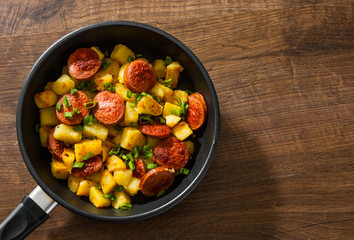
[170,109]
[117,139]
[48,86]
[74,182]
[111,67]
[158,91]
[102,78]
[130,114]
[172,120]
[133,186]
[121,73]
[167,93]
[132,137]
[182,131]
[67,134]
[98,51]
[87,146]
[160,68]
[95,130]
[63,85]
[122,176]
[96,197]
[147,105]
[43,135]
[112,131]
[48,116]
[172,71]
[115,163]
[122,91]
[179,94]
[121,53]
[190,147]
[107,182]
[153,142]
[59,169]
[104,153]
[96,177]
[69,158]
[84,187]
[121,197]
[45,99]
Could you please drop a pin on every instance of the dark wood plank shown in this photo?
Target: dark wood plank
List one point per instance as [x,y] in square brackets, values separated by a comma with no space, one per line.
[283,72]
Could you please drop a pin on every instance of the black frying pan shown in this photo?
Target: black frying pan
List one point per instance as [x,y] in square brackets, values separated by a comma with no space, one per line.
[152,43]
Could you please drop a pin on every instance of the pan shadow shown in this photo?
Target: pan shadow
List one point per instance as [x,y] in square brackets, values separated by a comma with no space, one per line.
[235,200]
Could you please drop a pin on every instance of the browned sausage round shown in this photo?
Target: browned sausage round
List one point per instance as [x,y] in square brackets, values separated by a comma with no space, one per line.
[139,170]
[55,146]
[90,167]
[171,153]
[155,129]
[156,180]
[139,76]
[197,111]
[83,63]
[110,107]
[77,102]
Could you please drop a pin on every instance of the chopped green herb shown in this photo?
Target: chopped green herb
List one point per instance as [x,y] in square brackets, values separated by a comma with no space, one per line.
[118,188]
[73,91]
[78,164]
[109,87]
[145,118]
[58,106]
[144,94]
[89,119]
[87,156]
[110,196]
[129,94]
[90,105]
[176,111]
[137,96]
[167,83]
[184,171]
[68,115]
[132,104]
[151,166]
[160,194]
[134,124]
[131,166]
[66,102]
[168,60]
[147,151]
[105,64]
[125,206]
[130,156]
[130,58]
[78,128]
[161,120]
[37,127]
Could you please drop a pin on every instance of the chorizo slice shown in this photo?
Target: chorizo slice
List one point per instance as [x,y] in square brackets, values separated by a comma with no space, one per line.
[55,146]
[76,108]
[171,153]
[156,180]
[155,129]
[197,111]
[139,170]
[90,167]
[83,63]
[139,76]
[109,109]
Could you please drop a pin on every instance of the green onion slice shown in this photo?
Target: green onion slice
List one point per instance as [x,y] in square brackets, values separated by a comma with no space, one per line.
[66,102]
[37,127]
[109,87]
[131,165]
[68,115]
[160,193]
[58,106]
[87,156]
[73,91]
[77,111]
[130,58]
[118,188]
[90,105]
[168,60]
[151,166]
[125,206]
[78,164]
[134,124]
[184,171]
[129,94]
[78,128]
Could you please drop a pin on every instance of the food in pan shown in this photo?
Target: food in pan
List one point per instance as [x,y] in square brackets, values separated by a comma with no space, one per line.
[117,125]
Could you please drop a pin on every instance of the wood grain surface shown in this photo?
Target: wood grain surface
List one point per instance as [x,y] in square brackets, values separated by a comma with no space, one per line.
[284,75]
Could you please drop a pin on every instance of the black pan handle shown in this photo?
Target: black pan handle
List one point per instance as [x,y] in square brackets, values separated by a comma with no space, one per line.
[27,216]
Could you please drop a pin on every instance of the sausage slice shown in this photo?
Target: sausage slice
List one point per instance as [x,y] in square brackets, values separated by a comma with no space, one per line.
[139,76]
[77,109]
[156,180]
[197,111]
[171,153]
[156,129]
[90,167]
[55,146]
[83,63]
[110,107]
[139,170]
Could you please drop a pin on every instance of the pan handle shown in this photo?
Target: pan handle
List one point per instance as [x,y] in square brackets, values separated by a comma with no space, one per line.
[27,216]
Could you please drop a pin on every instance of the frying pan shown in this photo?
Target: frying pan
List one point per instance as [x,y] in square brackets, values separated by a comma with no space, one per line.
[152,43]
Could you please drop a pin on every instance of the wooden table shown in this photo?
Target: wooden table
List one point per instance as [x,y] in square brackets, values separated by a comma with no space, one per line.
[283,72]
